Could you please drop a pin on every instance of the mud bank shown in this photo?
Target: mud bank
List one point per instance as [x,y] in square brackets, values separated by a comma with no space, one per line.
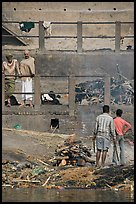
[27,161]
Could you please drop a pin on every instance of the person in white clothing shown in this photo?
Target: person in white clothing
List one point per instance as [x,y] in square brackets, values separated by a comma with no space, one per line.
[27,69]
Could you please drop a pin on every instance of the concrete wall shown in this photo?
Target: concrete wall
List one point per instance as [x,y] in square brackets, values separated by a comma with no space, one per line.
[81,64]
[86,64]
[40,122]
[81,124]
[72,12]
[50,63]
[78,64]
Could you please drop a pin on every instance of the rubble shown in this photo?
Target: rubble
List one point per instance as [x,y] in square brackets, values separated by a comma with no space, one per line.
[115,178]
[122,91]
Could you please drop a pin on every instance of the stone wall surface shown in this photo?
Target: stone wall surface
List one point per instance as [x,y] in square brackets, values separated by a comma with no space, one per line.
[82,124]
[54,63]
[71,12]
[64,64]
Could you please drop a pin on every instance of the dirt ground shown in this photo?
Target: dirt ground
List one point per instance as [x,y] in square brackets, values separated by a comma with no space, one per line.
[27,161]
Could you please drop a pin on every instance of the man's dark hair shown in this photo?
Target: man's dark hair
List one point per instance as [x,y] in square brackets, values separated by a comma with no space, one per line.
[119,112]
[106,109]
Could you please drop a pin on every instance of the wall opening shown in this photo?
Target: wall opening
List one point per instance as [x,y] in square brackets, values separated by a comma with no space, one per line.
[54,123]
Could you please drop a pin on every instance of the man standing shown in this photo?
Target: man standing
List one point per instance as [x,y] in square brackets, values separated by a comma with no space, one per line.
[121,127]
[27,68]
[103,132]
[10,67]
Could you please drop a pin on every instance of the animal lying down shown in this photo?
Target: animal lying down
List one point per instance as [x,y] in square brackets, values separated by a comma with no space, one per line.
[13,101]
[50,98]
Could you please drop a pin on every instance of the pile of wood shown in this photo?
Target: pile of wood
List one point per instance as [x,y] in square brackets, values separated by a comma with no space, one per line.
[72,152]
[121,89]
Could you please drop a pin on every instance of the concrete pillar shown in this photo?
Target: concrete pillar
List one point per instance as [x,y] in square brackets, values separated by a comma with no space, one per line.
[117,36]
[41,36]
[107,90]
[72,95]
[3,91]
[37,92]
[79,36]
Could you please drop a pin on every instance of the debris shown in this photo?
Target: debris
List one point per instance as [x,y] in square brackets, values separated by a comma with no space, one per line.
[43,162]
[122,91]
[22,180]
[38,170]
[32,171]
[63,162]
[7,185]
[46,181]
[18,127]
[24,165]
[115,178]
[54,129]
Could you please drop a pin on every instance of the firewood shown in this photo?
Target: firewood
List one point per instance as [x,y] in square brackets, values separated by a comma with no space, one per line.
[64,151]
[46,181]
[72,151]
[85,149]
[74,148]
[61,149]
[63,162]
[26,180]
[43,162]
[61,157]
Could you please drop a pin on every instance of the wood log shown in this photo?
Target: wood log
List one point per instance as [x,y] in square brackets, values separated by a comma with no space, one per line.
[63,162]
[43,162]
[75,151]
[74,148]
[61,149]
[64,152]
[46,181]
[71,152]
[7,185]
[61,157]
[86,150]
[25,180]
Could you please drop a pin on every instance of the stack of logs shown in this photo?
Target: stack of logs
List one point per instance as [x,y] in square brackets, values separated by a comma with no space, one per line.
[72,152]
